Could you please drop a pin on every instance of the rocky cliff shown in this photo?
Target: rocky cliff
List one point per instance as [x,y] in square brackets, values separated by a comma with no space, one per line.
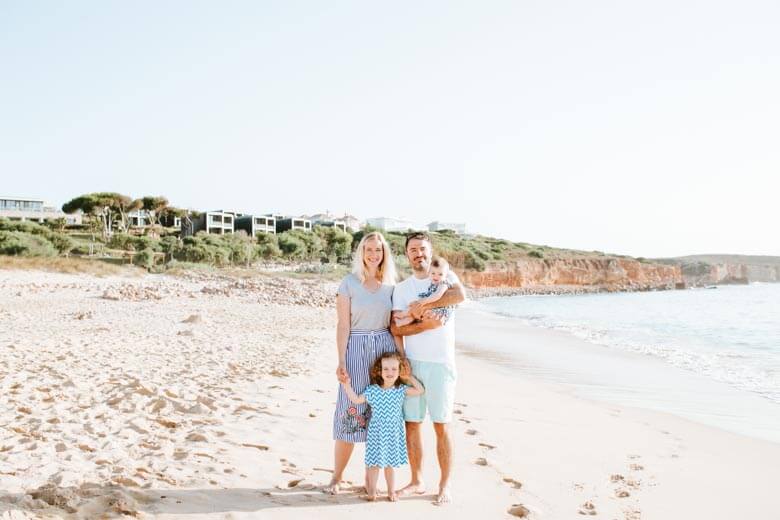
[533,275]
[704,270]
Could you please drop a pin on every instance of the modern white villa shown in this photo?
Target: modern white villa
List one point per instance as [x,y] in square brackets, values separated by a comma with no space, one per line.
[218,222]
[457,227]
[254,224]
[393,224]
[21,208]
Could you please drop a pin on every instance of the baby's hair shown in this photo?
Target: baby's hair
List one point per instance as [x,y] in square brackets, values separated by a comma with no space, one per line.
[376,369]
[440,262]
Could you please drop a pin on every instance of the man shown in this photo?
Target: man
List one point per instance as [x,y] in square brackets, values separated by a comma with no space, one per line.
[430,348]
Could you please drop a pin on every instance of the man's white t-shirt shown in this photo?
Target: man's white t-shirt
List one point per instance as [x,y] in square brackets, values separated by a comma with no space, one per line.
[435,345]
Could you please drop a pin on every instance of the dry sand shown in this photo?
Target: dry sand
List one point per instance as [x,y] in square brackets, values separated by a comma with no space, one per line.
[204,397]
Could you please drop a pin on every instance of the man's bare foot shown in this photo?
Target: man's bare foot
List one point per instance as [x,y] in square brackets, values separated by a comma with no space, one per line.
[392,496]
[413,488]
[333,488]
[369,497]
[444,497]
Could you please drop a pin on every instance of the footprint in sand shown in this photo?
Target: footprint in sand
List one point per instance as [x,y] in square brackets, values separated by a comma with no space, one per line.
[481,461]
[471,432]
[622,493]
[519,510]
[588,508]
[516,484]
[487,446]
[637,467]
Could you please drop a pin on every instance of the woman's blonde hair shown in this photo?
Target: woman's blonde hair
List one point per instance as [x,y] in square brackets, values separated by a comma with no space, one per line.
[386,270]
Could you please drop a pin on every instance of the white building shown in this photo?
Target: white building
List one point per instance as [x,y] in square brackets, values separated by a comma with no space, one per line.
[327,220]
[457,227]
[218,222]
[19,208]
[393,224]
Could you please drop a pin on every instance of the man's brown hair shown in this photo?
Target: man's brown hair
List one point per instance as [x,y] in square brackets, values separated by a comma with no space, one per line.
[417,235]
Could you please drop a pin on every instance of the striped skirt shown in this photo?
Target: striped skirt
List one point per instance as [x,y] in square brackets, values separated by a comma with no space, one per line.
[350,422]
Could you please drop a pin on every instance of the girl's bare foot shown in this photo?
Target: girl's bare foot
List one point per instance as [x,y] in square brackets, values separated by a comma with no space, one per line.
[392,496]
[369,497]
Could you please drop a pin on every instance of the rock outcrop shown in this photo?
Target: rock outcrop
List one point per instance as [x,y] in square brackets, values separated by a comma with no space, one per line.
[702,270]
[532,275]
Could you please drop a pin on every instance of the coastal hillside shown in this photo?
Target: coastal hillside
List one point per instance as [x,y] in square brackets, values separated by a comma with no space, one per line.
[703,270]
[487,265]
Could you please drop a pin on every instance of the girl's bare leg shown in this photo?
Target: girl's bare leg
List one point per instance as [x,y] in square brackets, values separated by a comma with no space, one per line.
[342,451]
[390,479]
[372,476]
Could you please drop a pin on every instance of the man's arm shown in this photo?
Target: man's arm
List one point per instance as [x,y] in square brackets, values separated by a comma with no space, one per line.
[427,323]
[454,295]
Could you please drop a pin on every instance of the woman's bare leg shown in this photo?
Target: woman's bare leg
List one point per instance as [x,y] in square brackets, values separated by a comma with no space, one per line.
[342,451]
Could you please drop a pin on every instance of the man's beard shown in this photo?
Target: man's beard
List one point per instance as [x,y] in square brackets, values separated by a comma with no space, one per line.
[421,267]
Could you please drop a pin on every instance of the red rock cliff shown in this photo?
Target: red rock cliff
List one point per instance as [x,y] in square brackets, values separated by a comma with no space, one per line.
[602,273]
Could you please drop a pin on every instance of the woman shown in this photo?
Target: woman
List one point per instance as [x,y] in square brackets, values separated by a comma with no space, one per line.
[363,305]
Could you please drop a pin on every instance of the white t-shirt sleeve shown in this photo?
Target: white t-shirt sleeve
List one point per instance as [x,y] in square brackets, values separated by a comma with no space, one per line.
[400,297]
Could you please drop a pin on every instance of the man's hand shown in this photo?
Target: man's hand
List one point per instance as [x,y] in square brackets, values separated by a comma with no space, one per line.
[416,309]
[431,320]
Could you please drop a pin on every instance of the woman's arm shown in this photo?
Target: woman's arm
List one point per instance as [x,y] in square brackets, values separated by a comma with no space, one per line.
[357,399]
[416,388]
[342,333]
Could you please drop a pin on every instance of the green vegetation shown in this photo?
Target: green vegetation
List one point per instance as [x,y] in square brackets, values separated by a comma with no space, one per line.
[107,235]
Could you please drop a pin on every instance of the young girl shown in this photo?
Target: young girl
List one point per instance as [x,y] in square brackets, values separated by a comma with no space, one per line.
[386,440]
[440,268]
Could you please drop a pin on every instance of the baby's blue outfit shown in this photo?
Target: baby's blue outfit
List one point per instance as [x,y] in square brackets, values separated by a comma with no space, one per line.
[386,440]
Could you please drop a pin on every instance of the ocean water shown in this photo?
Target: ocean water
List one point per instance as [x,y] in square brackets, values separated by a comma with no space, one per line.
[711,355]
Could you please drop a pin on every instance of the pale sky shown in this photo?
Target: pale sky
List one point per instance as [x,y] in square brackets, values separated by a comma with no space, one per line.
[642,128]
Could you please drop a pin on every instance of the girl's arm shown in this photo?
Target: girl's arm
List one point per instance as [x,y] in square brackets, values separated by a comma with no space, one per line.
[356,399]
[342,333]
[416,388]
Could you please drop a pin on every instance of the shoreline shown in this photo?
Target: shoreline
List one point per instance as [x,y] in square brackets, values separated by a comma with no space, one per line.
[172,401]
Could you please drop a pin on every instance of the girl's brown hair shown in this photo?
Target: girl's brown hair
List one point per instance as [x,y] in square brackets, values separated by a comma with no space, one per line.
[376,368]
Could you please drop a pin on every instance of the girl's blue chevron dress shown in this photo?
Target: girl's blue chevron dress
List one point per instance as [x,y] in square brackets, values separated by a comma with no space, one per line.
[386,440]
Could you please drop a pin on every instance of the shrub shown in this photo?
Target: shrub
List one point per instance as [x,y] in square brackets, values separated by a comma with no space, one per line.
[536,254]
[292,246]
[337,243]
[268,246]
[171,246]
[472,261]
[144,258]
[19,243]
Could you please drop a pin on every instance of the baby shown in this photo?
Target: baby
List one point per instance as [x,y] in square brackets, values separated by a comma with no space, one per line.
[439,285]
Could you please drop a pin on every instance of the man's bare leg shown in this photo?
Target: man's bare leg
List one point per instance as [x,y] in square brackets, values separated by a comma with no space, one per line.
[414,449]
[342,451]
[444,453]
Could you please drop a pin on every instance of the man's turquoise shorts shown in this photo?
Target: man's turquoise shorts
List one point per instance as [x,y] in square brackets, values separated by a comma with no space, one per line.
[439,397]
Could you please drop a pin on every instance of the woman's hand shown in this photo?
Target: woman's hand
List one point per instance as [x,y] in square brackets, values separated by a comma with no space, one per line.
[406,369]
[341,372]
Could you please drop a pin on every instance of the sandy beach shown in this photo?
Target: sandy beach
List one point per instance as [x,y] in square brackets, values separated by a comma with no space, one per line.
[209,396]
